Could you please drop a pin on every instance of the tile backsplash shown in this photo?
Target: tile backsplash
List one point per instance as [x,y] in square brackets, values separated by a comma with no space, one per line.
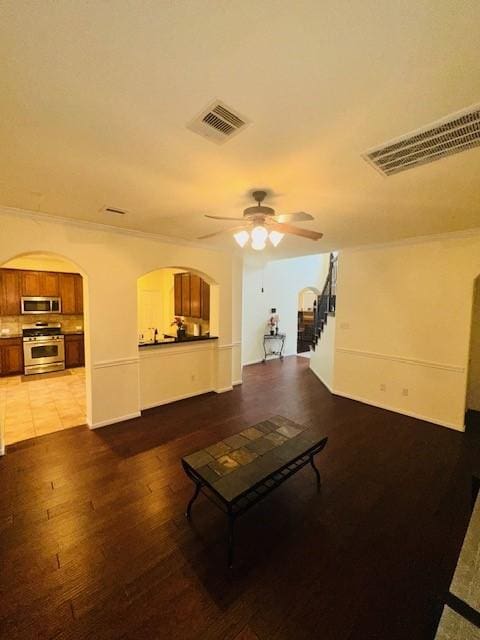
[12,325]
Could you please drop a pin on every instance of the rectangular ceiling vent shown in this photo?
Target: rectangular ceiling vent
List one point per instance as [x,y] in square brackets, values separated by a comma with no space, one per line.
[457,132]
[116,210]
[218,122]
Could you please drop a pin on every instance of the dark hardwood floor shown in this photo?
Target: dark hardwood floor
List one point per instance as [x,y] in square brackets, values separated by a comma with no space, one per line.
[94,543]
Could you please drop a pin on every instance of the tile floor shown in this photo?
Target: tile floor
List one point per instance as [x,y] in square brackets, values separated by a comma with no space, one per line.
[34,407]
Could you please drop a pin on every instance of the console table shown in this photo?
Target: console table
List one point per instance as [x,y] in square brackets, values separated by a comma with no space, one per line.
[273,345]
[241,470]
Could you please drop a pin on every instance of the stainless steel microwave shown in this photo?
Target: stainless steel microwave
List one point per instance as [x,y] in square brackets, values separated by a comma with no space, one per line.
[37,304]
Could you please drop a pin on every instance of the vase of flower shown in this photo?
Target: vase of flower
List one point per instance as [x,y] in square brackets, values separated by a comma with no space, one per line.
[179,322]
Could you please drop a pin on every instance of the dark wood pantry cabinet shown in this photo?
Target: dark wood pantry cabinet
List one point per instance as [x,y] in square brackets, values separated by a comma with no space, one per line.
[74,350]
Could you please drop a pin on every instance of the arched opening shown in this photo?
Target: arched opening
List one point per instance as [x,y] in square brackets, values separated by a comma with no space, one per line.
[472,419]
[176,292]
[178,327]
[44,356]
[307,301]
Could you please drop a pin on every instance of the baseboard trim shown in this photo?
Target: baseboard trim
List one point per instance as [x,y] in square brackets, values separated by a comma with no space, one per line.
[235,383]
[410,414]
[250,362]
[183,396]
[322,380]
[223,390]
[105,423]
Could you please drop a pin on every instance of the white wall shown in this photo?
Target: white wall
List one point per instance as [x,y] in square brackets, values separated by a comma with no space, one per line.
[473,399]
[403,320]
[282,281]
[322,360]
[112,261]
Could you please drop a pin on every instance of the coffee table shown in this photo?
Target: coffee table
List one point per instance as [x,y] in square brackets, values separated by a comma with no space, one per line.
[239,471]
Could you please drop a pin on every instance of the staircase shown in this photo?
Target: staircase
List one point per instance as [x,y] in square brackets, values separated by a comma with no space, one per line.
[324,305]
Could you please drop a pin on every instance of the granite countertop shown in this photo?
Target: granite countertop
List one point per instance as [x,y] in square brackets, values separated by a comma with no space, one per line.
[4,336]
[72,333]
[171,341]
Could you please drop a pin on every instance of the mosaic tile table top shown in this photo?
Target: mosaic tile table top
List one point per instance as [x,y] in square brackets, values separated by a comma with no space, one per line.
[466,579]
[235,464]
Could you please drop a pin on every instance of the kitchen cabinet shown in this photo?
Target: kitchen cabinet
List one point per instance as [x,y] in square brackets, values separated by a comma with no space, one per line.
[71,292]
[48,284]
[16,283]
[74,350]
[205,293]
[195,296]
[78,284]
[9,292]
[30,283]
[192,296]
[11,356]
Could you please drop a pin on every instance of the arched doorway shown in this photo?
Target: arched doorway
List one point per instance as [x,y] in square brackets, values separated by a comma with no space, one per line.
[178,331]
[43,312]
[307,301]
[472,420]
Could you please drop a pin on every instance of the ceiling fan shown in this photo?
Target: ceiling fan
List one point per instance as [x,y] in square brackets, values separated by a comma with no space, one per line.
[265,224]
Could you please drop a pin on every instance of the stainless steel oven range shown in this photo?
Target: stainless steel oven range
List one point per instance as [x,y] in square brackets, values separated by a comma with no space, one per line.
[43,347]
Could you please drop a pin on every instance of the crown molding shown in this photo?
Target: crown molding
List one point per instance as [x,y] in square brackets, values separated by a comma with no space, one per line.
[434,237]
[105,228]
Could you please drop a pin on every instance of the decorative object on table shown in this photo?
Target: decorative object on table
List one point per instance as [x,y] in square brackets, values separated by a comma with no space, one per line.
[260,223]
[273,345]
[179,321]
[273,321]
[237,472]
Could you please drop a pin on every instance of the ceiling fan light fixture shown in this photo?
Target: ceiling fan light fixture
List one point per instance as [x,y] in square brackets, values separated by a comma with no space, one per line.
[241,238]
[275,237]
[258,245]
[259,235]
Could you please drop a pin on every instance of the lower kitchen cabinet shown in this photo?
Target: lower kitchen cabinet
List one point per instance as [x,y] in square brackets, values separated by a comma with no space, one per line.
[74,350]
[11,356]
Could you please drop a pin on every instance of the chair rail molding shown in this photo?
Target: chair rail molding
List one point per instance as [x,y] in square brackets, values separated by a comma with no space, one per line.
[430,364]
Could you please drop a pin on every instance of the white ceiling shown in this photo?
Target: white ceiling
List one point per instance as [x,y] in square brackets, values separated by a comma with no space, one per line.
[95,98]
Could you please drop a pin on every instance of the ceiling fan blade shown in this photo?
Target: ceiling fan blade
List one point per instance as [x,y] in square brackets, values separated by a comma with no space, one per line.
[217,233]
[222,218]
[295,231]
[299,216]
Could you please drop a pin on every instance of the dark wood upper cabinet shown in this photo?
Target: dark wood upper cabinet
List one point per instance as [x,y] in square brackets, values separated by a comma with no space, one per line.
[191,296]
[9,292]
[186,304]
[30,283]
[48,284]
[78,293]
[66,285]
[195,296]
[177,288]
[205,293]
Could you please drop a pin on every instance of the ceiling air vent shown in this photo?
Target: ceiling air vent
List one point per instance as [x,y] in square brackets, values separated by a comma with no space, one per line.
[457,132]
[218,122]
[120,212]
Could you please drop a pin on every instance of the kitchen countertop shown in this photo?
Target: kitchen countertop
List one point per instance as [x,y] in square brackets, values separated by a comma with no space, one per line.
[161,343]
[4,336]
[72,333]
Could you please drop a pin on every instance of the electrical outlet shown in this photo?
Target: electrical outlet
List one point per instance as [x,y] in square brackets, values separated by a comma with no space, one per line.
[383,387]
[404,392]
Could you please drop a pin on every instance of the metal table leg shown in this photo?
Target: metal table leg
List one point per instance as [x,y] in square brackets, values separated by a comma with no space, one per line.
[317,472]
[231,522]
[198,486]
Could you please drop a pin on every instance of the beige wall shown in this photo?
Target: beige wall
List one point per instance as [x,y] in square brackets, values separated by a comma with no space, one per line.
[403,326]
[473,397]
[322,360]
[112,262]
